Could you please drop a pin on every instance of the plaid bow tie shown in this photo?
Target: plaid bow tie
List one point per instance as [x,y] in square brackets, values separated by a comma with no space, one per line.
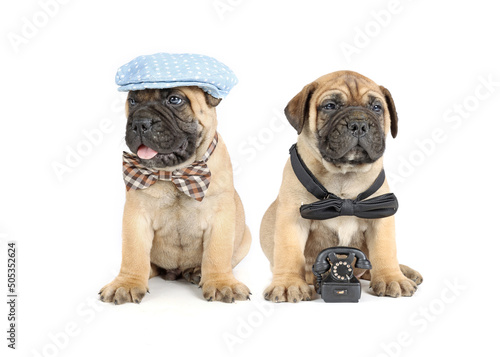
[192,180]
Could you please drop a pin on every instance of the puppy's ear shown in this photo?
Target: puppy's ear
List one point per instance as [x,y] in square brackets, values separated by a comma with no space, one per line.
[212,101]
[297,109]
[392,111]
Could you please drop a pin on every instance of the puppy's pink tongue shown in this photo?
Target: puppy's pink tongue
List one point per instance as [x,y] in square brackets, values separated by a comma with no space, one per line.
[146,153]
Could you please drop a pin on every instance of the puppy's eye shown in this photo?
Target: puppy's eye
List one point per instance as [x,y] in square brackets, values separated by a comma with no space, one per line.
[377,108]
[174,100]
[132,102]
[331,106]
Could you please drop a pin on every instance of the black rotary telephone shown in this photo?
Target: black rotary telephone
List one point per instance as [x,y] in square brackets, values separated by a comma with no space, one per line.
[340,285]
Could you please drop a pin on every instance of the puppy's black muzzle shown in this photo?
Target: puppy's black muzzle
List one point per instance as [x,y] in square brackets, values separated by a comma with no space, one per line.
[358,122]
[352,128]
[163,131]
[141,125]
[358,128]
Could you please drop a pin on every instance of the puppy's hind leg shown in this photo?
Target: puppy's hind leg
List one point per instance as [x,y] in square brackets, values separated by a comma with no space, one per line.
[155,271]
[243,238]
[192,275]
[242,250]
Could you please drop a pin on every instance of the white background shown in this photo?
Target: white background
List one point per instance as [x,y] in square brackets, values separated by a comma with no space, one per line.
[58,84]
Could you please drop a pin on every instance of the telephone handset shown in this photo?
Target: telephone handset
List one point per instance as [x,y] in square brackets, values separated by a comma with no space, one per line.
[340,285]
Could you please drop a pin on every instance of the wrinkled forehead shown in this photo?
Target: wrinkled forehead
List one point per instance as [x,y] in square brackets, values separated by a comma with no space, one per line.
[352,90]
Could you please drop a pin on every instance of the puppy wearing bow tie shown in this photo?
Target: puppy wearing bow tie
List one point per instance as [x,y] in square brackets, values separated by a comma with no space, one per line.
[182,217]
[342,120]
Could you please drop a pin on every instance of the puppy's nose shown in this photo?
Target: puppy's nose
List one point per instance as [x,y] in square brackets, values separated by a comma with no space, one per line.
[358,128]
[142,125]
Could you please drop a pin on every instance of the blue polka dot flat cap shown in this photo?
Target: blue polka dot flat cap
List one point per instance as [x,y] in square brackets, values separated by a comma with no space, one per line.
[166,70]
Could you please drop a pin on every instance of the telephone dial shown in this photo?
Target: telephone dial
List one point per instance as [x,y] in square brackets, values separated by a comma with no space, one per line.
[340,284]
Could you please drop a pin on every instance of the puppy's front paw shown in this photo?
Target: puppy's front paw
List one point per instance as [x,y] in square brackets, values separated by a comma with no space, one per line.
[122,290]
[394,285]
[411,274]
[225,289]
[288,289]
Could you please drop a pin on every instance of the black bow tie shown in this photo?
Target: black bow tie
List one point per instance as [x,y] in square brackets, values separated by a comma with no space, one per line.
[331,206]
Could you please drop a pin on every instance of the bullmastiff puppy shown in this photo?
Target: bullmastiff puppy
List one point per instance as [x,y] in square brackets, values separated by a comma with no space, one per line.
[342,120]
[165,231]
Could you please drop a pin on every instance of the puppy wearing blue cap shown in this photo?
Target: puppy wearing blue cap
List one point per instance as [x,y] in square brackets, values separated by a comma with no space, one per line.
[182,217]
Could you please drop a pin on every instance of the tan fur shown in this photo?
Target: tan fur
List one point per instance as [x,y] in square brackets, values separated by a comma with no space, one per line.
[164,228]
[292,243]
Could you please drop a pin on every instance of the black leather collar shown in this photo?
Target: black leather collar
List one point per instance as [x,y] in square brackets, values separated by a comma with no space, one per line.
[331,206]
